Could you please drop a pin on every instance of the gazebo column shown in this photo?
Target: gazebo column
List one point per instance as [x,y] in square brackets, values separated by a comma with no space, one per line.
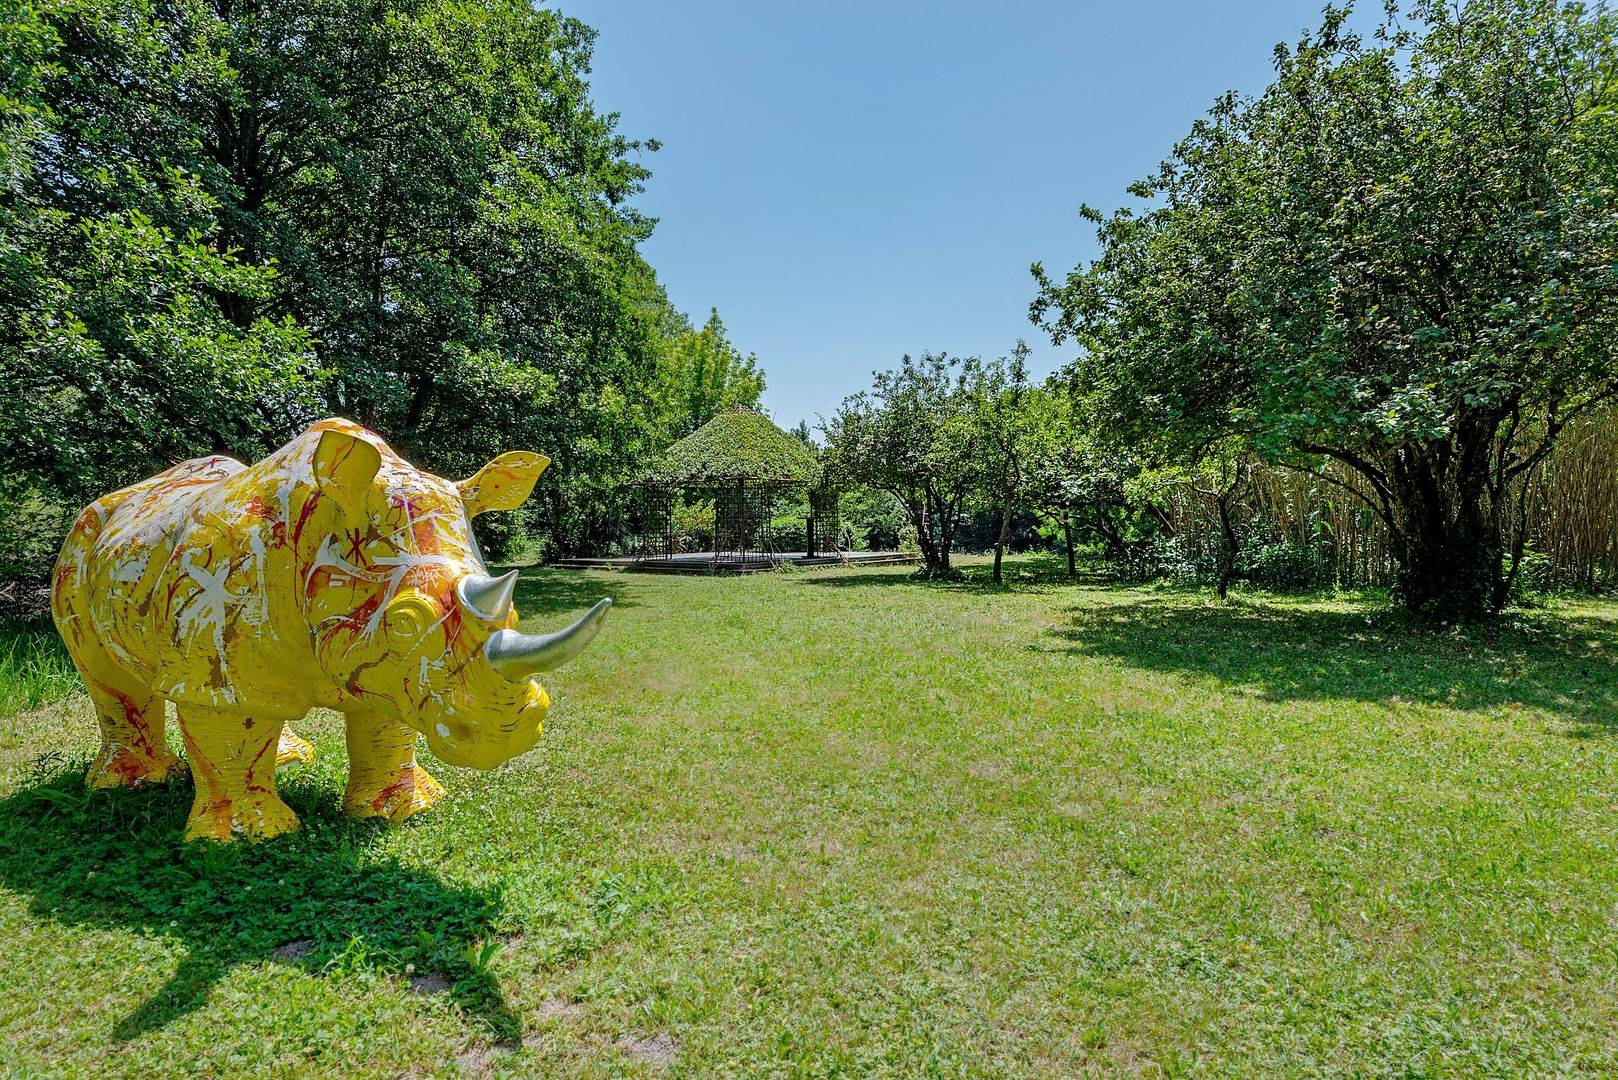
[730,520]
[823,519]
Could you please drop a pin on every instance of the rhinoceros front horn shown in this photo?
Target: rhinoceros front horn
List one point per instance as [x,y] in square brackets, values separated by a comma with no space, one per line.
[517,656]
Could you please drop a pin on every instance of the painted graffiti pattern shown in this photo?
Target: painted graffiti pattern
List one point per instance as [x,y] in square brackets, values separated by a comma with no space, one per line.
[332,574]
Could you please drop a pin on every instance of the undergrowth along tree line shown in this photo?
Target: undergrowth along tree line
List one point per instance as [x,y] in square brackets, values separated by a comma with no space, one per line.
[1299,529]
[924,455]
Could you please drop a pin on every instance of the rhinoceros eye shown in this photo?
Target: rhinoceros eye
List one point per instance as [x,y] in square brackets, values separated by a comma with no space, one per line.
[409,617]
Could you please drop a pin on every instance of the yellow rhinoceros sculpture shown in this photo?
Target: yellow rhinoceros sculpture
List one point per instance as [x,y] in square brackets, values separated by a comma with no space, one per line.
[332,573]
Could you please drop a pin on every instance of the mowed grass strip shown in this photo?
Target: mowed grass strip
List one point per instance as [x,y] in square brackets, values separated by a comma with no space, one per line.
[847,823]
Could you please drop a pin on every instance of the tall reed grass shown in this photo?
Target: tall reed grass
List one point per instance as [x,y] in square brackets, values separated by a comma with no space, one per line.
[1570,526]
[34,667]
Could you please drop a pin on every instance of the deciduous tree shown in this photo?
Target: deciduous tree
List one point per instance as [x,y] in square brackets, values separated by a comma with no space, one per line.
[225,218]
[116,355]
[1398,257]
[703,375]
[915,435]
[1008,436]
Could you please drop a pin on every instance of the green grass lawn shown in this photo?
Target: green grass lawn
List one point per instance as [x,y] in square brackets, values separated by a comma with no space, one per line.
[845,823]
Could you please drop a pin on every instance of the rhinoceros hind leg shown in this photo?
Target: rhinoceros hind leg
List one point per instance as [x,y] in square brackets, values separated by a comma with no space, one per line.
[233,765]
[383,777]
[293,748]
[133,748]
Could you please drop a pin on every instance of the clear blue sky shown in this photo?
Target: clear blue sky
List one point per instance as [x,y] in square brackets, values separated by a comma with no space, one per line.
[851,181]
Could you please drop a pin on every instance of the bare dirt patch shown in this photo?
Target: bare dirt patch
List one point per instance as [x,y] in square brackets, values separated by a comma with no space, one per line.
[654,1049]
[292,950]
[478,1059]
[430,983]
[558,1009]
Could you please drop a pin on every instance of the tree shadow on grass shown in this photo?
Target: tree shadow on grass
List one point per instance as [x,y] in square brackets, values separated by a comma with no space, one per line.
[548,593]
[1565,665]
[115,859]
[1022,573]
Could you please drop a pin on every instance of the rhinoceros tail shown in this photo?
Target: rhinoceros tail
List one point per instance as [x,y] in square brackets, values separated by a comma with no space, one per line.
[68,578]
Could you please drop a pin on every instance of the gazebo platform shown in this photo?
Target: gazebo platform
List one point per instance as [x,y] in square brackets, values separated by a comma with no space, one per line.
[706,562]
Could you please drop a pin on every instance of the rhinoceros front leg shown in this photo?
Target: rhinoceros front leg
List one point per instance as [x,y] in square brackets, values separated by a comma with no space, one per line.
[233,766]
[383,777]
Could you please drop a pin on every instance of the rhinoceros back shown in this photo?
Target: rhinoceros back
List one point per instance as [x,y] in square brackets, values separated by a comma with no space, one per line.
[151,574]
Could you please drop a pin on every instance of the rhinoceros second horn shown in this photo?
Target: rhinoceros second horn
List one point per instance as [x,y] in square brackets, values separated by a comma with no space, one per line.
[518,656]
[489,597]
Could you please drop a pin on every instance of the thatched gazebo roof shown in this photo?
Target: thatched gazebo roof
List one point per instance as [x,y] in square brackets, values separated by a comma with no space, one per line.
[736,445]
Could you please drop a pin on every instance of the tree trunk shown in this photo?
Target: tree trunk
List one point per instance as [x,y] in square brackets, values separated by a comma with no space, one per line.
[1452,575]
[917,512]
[936,551]
[1451,545]
[1000,538]
[1067,539]
[1227,569]
[1444,504]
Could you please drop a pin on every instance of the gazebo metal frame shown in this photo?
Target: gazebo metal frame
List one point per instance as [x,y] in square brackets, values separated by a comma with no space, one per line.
[744,510]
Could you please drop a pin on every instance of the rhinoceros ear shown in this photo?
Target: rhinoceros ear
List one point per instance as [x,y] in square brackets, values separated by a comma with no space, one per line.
[504,483]
[344,467]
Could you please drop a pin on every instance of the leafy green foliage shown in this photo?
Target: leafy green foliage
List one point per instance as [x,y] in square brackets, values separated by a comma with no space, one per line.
[116,354]
[736,445]
[874,520]
[1007,430]
[693,524]
[704,375]
[1087,487]
[1398,257]
[221,222]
